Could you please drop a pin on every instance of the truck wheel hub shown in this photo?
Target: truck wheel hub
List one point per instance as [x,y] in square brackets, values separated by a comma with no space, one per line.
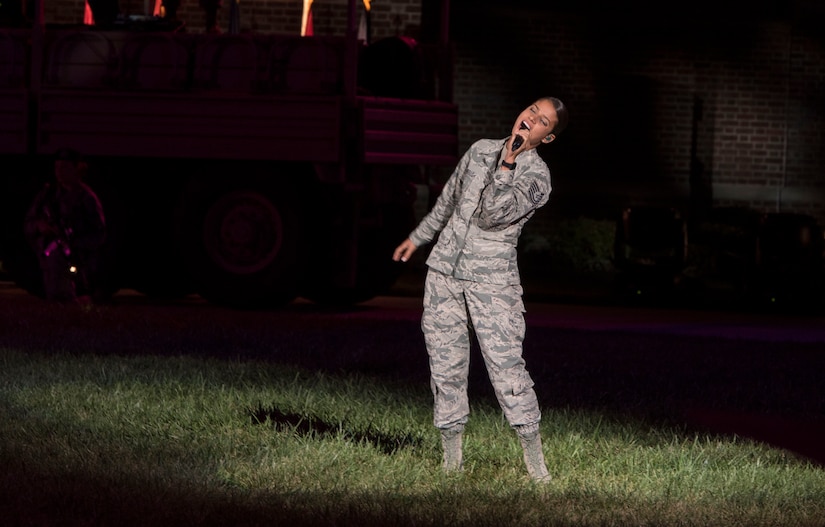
[243,232]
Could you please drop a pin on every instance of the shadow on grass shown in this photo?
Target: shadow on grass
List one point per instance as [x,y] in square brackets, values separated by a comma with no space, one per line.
[309,425]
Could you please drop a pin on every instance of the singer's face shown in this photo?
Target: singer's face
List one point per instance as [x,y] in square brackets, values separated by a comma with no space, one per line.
[536,123]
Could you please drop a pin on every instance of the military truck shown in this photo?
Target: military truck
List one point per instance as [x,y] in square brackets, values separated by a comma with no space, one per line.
[248,169]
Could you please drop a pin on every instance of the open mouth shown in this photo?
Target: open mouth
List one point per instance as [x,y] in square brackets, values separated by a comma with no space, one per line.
[524,126]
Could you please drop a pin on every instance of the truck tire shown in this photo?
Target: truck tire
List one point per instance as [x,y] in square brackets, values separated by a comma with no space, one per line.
[241,244]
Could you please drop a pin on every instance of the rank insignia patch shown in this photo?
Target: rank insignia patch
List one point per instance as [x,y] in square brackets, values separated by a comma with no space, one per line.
[535,193]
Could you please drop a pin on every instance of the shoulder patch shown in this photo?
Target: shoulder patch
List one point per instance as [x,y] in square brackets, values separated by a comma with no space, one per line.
[535,192]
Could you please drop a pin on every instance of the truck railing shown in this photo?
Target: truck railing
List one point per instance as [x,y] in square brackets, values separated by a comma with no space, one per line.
[408,132]
[127,61]
[83,57]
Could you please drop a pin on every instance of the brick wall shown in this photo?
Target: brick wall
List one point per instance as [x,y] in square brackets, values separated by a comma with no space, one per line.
[746,98]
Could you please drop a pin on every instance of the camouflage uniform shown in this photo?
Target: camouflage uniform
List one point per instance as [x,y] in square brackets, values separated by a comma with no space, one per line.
[77,216]
[473,282]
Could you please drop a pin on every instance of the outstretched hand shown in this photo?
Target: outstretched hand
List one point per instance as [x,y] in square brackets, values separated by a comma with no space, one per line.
[404,251]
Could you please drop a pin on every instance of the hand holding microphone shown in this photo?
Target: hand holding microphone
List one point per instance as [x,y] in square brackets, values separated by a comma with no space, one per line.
[515,145]
[518,140]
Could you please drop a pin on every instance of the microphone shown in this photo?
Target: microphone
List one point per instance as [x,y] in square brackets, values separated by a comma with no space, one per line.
[519,140]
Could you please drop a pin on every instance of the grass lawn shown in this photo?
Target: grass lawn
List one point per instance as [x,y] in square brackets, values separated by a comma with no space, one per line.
[189,414]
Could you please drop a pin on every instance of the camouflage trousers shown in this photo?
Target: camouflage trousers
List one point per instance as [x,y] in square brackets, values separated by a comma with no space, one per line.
[454,310]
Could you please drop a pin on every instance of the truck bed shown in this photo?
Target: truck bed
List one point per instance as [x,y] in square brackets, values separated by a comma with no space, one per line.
[116,93]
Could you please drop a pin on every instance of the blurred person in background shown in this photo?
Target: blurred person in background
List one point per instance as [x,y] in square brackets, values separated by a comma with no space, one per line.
[66,228]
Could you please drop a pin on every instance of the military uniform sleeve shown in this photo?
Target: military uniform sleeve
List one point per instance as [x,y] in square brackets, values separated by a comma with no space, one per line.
[444,206]
[512,195]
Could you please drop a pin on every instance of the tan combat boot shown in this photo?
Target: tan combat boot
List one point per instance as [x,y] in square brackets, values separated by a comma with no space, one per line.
[534,456]
[451,444]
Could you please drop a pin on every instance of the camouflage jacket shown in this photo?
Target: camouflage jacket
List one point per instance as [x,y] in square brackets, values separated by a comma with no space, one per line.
[480,212]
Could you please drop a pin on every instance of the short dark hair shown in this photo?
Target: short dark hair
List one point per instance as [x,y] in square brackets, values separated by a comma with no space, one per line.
[68,154]
[561,114]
